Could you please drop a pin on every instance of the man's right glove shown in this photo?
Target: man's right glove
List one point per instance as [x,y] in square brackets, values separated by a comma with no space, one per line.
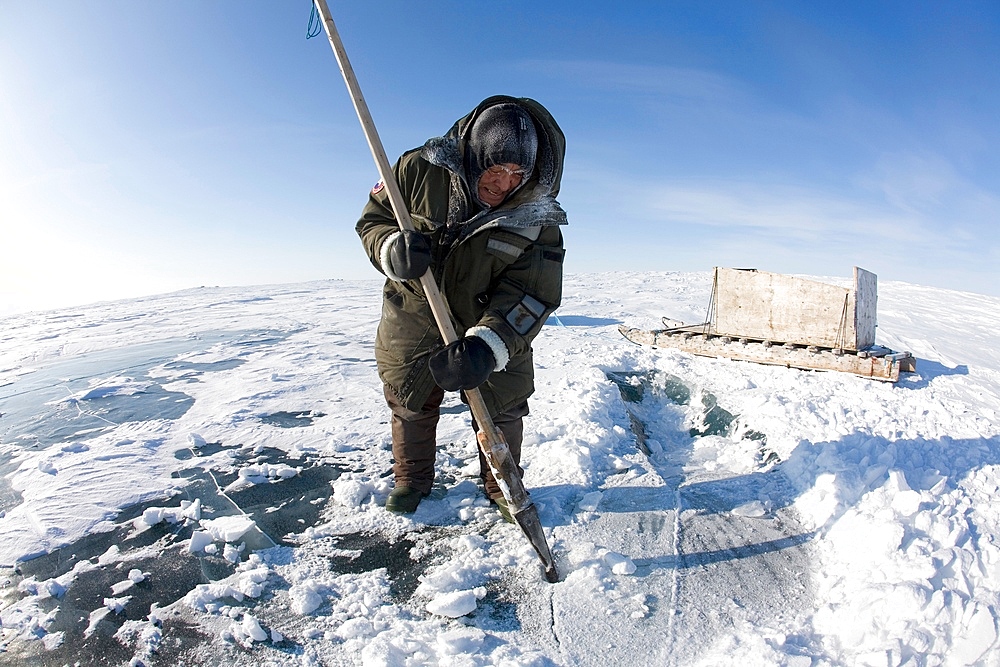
[408,255]
[465,364]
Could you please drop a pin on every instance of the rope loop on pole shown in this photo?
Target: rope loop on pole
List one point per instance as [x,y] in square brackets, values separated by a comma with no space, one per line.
[315,26]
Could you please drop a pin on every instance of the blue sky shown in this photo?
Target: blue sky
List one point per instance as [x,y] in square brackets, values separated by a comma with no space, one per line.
[154,146]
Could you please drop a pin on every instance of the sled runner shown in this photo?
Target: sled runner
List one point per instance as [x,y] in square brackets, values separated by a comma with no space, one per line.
[770,318]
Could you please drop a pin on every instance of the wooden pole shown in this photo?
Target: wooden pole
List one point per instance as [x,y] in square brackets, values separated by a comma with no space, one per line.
[490,439]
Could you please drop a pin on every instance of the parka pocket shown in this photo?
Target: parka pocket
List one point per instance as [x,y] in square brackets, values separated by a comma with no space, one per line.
[506,246]
[545,275]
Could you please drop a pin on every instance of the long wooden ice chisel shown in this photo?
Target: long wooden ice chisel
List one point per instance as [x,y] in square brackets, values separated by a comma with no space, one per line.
[490,439]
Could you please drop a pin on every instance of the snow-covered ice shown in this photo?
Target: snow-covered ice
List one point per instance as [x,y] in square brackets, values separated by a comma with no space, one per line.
[198,477]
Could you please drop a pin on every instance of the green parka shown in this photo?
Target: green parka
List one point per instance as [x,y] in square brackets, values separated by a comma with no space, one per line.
[498,268]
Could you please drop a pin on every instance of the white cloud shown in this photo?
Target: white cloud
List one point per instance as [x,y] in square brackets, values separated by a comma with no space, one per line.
[776,209]
[929,186]
[651,223]
[666,80]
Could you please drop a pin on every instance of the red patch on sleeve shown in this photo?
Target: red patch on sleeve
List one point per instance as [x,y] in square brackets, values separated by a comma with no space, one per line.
[378,187]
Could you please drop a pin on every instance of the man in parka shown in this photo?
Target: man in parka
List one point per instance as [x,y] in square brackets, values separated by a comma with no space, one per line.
[482,199]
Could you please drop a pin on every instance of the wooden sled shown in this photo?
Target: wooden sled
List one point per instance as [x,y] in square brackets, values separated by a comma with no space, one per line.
[769,318]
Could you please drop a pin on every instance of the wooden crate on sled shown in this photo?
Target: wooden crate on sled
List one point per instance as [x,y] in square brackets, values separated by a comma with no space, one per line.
[770,318]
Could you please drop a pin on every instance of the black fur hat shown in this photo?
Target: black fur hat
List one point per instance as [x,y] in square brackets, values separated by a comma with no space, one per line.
[502,134]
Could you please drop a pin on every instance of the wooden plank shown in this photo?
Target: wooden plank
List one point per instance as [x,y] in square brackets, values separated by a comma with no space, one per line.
[885,366]
[865,308]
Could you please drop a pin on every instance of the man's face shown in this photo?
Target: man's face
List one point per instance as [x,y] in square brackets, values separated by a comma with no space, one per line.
[497,182]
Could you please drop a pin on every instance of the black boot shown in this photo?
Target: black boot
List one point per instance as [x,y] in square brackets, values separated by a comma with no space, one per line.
[404,500]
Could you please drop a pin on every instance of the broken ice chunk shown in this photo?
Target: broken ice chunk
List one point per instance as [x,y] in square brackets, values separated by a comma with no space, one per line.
[590,501]
[228,528]
[620,564]
[456,603]
[117,605]
[753,509]
[200,539]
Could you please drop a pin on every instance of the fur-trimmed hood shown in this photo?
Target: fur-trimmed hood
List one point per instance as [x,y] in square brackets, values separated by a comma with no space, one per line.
[532,205]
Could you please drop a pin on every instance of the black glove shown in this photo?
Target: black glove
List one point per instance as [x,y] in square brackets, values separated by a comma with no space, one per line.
[409,255]
[465,364]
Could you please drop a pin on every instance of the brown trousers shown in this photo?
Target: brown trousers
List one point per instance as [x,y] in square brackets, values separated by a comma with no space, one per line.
[414,441]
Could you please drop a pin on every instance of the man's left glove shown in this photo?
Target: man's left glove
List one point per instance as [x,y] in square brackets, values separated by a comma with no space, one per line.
[465,364]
